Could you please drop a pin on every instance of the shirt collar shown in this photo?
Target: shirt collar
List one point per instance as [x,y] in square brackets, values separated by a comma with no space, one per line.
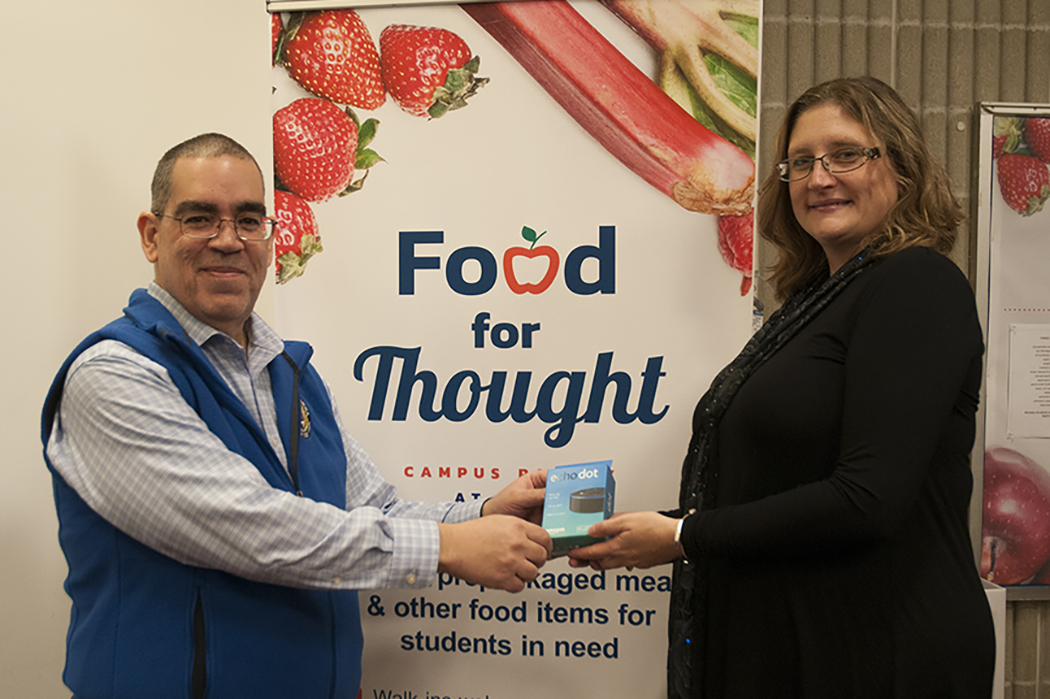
[261,337]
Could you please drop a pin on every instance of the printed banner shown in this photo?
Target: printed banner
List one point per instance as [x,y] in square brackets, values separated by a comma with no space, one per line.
[1016,513]
[543,261]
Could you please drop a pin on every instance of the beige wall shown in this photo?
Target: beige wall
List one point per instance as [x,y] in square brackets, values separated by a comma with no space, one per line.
[94,92]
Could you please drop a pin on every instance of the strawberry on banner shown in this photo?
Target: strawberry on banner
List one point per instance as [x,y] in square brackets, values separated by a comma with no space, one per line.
[1037,133]
[1021,148]
[297,238]
[428,70]
[332,55]
[313,148]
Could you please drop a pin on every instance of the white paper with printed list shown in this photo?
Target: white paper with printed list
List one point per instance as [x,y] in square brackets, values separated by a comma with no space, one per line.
[1029,383]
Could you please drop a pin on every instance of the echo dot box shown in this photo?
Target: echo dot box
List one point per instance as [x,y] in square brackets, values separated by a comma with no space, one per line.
[577,497]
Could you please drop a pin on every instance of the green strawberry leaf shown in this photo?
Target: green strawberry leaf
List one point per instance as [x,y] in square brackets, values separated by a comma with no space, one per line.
[366,158]
[460,85]
[293,265]
[355,186]
[353,117]
[1036,202]
[1011,127]
[438,109]
[295,20]
[366,132]
[291,28]
[457,79]
[309,246]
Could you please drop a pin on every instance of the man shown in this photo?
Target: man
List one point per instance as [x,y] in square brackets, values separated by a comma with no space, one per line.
[216,517]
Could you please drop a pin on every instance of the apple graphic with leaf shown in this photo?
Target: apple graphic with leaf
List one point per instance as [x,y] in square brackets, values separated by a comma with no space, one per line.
[530,252]
[1015,538]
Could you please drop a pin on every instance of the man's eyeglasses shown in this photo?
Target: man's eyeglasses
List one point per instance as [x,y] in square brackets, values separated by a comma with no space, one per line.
[206,226]
[842,160]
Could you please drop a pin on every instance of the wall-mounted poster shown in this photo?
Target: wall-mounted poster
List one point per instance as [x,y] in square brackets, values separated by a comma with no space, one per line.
[1013,252]
[518,236]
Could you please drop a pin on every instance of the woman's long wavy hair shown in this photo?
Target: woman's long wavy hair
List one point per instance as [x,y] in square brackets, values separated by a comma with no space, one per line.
[926,214]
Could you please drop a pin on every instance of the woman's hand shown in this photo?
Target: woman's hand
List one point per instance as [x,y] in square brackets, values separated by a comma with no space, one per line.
[638,540]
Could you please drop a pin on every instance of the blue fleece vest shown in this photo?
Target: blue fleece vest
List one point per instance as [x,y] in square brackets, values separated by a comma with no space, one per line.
[137,616]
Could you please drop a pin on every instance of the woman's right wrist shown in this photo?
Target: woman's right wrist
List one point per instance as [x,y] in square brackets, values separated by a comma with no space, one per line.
[680,534]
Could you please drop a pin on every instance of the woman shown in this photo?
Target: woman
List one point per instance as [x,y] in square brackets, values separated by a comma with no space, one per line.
[821,546]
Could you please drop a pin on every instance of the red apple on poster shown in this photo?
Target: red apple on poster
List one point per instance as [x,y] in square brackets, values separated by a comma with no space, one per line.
[530,252]
[1043,576]
[1016,523]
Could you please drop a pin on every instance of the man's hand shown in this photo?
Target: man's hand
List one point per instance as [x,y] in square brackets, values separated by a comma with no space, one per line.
[498,551]
[638,540]
[522,498]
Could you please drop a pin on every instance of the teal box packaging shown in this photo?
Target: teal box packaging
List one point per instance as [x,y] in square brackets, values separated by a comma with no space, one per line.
[577,496]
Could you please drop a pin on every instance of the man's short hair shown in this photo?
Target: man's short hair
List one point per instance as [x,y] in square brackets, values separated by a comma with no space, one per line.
[207,145]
